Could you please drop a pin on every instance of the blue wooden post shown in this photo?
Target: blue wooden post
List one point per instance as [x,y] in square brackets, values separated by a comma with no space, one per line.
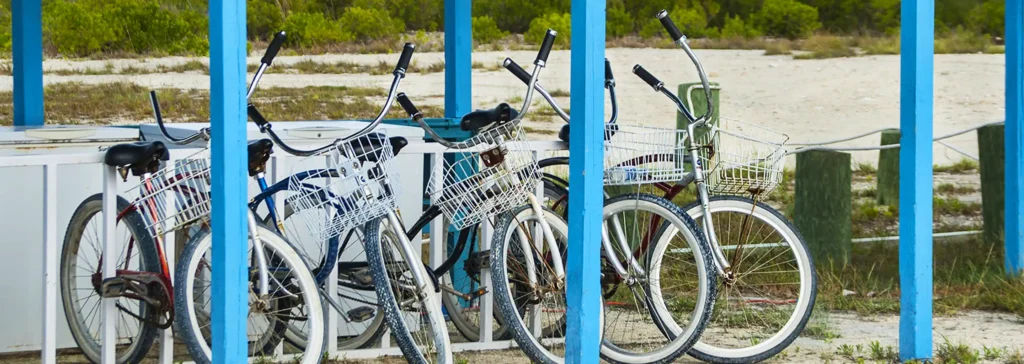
[27,46]
[583,340]
[916,95]
[228,118]
[458,91]
[1014,137]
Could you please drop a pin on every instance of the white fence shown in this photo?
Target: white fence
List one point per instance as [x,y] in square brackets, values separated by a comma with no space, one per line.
[51,249]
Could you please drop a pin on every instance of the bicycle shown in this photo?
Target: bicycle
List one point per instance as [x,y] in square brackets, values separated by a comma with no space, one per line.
[754,326]
[527,258]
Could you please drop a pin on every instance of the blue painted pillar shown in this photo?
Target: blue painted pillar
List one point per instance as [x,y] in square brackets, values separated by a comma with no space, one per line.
[583,340]
[1014,137]
[230,243]
[458,95]
[27,46]
[916,95]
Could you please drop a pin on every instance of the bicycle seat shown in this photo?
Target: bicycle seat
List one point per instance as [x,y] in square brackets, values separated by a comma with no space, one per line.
[259,154]
[368,148]
[139,157]
[609,131]
[478,119]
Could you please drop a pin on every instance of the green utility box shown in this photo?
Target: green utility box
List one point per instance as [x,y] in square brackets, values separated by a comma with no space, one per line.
[694,99]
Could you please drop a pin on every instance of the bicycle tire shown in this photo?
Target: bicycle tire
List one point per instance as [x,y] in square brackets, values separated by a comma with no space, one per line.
[798,320]
[430,300]
[150,262]
[194,335]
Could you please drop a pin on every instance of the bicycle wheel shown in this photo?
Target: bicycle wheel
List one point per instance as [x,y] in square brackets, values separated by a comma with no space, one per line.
[361,320]
[292,295]
[81,276]
[464,312]
[767,303]
[635,302]
[532,309]
[412,309]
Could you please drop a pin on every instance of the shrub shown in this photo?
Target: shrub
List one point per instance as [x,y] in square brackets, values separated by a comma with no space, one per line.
[5,29]
[786,18]
[988,18]
[369,24]
[143,26]
[652,29]
[75,28]
[485,30]
[262,19]
[619,22]
[735,28]
[561,23]
[692,23]
[821,47]
[962,41]
[416,14]
[312,29]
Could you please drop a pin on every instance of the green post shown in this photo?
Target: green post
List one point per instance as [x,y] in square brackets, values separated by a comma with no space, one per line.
[889,170]
[992,165]
[695,100]
[823,204]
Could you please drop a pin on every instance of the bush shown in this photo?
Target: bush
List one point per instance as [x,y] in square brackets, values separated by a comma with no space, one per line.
[619,22]
[736,28]
[692,23]
[369,24]
[786,18]
[485,30]
[5,29]
[313,29]
[962,41]
[652,29]
[988,18]
[262,19]
[75,28]
[822,47]
[417,14]
[143,26]
[561,23]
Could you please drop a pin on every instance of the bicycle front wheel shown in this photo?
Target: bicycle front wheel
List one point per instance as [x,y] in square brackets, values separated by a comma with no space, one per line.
[412,309]
[292,296]
[768,299]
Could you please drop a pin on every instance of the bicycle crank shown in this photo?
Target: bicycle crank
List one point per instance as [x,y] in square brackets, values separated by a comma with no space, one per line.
[148,287]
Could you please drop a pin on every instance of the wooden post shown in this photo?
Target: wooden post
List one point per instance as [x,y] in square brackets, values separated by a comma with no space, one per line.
[889,170]
[823,204]
[992,165]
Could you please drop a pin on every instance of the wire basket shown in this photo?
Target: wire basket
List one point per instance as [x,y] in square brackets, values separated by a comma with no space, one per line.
[641,154]
[176,195]
[742,158]
[344,187]
[495,176]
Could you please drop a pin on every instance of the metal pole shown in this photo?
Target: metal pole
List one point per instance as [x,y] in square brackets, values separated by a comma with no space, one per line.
[50,251]
[1014,218]
[583,337]
[916,97]
[27,49]
[229,216]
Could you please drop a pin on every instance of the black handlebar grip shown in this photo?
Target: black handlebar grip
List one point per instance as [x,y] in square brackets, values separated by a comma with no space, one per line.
[407,104]
[608,77]
[256,116]
[275,46]
[545,47]
[520,73]
[669,25]
[648,77]
[403,61]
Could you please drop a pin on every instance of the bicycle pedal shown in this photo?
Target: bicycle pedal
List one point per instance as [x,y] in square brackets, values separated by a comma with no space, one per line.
[360,314]
[113,287]
[477,294]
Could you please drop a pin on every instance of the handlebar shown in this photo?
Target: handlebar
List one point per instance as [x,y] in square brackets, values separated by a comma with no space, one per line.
[203,133]
[275,46]
[403,61]
[609,83]
[545,48]
[680,40]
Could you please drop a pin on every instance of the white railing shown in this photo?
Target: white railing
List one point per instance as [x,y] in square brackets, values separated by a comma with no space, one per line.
[50,164]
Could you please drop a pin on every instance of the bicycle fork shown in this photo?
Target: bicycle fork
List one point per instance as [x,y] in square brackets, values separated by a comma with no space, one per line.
[722,266]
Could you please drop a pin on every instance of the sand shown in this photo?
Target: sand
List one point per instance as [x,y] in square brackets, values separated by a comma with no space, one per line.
[809,100]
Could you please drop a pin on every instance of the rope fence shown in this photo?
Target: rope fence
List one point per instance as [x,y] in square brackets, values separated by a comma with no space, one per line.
[822,145]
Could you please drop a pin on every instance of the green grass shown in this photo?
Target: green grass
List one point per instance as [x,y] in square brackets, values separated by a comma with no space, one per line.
[887,354]
[822,47]
[949,352]
[539,131]
[77,103]
[952,206]
[864,169]
[962,167]
[951,189]
[777,48]
[879,46]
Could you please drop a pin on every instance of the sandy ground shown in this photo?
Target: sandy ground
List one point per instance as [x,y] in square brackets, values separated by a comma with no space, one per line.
[810,100]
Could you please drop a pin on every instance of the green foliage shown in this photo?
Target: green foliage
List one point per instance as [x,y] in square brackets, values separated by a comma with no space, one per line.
[5,29]
[74,29]
[988,18]
[786,18]
[561,23]
[822,47]
[692,22]
[370,23]
[517,16]
[263,19]
[735,28]
[312,29]
[485,30]
[619,21]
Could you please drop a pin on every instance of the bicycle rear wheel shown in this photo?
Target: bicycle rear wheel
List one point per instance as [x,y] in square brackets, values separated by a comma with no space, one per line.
[292,296]
[412,309]
[80,278]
